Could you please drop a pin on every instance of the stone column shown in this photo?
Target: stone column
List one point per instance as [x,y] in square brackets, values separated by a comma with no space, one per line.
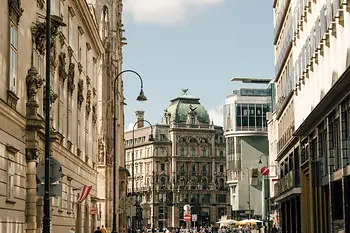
[33,125]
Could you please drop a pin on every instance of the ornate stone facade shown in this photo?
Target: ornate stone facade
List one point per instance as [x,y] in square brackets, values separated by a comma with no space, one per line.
[22,95]
[185,164]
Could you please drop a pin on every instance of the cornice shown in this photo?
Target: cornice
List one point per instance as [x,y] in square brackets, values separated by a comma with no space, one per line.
[89,24]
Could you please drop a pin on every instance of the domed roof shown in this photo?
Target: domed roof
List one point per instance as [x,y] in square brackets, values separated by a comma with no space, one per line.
[181,106]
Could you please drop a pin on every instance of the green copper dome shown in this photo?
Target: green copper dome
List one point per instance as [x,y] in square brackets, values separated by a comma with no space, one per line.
[182,106]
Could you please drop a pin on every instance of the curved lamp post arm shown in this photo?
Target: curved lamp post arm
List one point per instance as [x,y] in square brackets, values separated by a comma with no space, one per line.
[141,97]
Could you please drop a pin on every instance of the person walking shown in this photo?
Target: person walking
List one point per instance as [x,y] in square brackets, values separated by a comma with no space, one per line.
[98,230]
[103,229]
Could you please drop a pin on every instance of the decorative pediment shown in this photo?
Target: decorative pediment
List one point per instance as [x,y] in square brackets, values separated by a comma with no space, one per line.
[15,10]
[39,33]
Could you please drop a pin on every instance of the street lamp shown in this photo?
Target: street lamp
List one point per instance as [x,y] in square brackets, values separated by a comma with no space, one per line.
[167,161]
[267,192]
[248,190]
[150,139]
[140,97]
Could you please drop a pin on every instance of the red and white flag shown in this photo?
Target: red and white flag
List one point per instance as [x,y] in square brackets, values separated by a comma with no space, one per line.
[85,191]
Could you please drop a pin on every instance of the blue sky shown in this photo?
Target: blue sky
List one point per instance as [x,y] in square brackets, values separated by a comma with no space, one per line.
[194,44]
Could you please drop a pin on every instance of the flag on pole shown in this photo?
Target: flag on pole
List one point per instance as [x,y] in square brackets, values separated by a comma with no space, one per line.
[85,191]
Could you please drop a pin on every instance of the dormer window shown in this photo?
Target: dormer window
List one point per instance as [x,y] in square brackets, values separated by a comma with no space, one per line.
[192,120]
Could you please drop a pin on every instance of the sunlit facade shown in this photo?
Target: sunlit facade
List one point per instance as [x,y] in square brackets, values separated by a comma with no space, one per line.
[245,128]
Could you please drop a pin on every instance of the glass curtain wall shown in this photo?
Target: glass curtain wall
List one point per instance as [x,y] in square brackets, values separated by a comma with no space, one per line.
[251,117]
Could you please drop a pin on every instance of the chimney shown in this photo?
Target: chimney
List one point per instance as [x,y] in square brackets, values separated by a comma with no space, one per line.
[139,118]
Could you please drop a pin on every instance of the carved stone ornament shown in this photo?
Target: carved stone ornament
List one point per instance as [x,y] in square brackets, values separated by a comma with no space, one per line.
[61,37]
[101,151]
[80,67]
[62,67]
[94,114]
[15,10]
[53,97]
[80,93]
[88,103]
[34,83]
[41,4]
[39,33]
[71,74]
[88,80]
[94,92]
[31,154]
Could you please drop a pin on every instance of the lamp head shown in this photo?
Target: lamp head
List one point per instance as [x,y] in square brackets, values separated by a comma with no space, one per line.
[141,96]
[151,138]
[260,161]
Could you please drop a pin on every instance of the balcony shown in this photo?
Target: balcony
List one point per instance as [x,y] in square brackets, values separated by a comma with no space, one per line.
[288,182]
[251,129]
[190,126]
[288,134]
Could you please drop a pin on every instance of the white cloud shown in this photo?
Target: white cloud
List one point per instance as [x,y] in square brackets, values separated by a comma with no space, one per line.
[166,11]
[130,126]
[216,114]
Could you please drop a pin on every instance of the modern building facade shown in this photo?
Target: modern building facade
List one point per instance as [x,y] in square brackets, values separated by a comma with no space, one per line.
[185,164]
[285,201]
[321,113]
[76,52]
[245,127]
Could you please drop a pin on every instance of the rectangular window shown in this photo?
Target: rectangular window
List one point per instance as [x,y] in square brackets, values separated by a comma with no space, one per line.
[79,134]
[10,176]
[79,45]
[162,167]
[69,195]
[62,9]
[70,31]
[13,59]
[38,63]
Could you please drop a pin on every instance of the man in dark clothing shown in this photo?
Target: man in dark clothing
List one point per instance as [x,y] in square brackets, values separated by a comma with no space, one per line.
[274,229]
[98,230]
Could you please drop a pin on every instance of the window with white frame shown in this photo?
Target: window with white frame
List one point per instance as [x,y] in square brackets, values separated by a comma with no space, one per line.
[69,195]
[38,63]
[13,58]
[62,111]
[70,31]
[10,176]
[53,7]
[62,9]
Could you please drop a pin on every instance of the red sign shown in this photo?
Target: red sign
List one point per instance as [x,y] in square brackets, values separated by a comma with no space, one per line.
[264,171]
[187,217]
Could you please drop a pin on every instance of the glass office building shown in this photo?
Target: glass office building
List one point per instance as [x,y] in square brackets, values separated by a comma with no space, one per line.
[245,127]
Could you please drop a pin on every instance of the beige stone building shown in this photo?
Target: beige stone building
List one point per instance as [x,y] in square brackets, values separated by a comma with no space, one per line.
[184,164]
[76,71]
[108,14]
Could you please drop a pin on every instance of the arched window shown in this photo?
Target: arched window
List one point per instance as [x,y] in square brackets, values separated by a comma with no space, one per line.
[182,151]
[193,151]
[192,120]
[204,152]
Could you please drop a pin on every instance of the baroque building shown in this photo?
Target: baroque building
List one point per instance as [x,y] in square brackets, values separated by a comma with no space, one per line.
[184,164]
[245,130]
[108,14]
[76,57]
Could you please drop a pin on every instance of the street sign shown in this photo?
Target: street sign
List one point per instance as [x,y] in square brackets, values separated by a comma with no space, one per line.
[187,208]
[265,171]
[55,190]
[187,217]
[55,170]
[194,217]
